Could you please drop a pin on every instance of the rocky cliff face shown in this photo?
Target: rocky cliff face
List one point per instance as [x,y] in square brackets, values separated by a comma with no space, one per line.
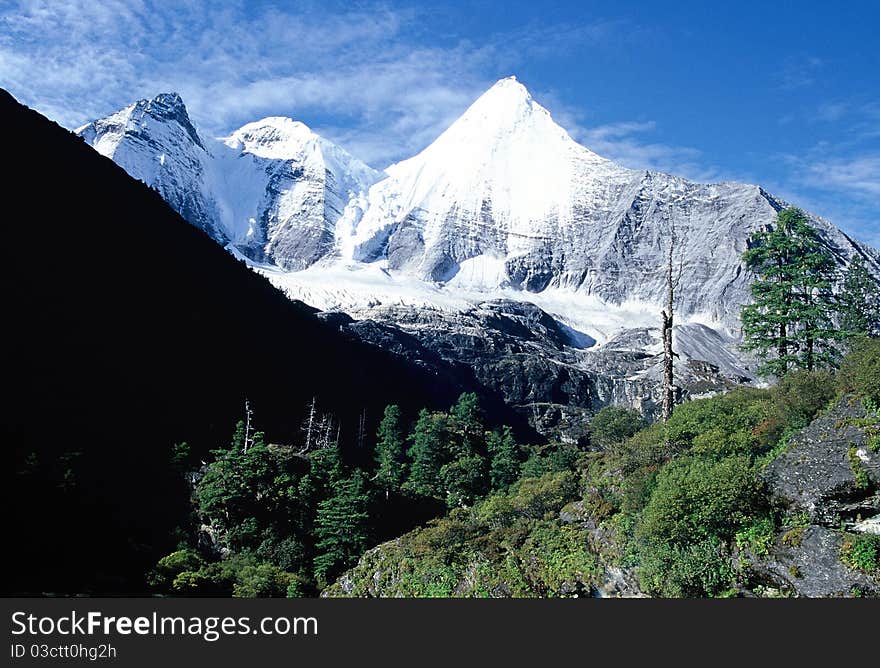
[828,483]
[549,373]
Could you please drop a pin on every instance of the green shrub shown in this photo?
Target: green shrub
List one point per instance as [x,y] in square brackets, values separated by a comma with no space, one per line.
[855,465]
[695,570]
[732,423]
[793,537]
[860,370]
[554,559]
[647,448]
[697,498]
[873,441]
[552,458]
[169,567]
[536,497]
[613,424]
[264,580]
[758,537]
[800,395]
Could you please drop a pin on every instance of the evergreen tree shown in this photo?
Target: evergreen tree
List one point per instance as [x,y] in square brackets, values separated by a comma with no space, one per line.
[464,475]
[789,325]
[390,452]
[238,437]
[426,453]
[505,466]
[859,301]
[467,425]
[341,527]
[180,457]
[325,470]
[464,480]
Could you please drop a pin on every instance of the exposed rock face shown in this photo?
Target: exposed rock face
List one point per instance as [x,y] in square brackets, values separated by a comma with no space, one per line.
[519,353]
[810,566]
[818,472]
[831,478]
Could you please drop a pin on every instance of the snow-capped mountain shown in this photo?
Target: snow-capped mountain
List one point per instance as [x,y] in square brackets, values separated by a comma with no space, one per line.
[273,190]
[505,197]
[503,203]
[504,207]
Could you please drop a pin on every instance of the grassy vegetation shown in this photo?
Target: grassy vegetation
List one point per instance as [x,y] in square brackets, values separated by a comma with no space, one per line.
[861,552]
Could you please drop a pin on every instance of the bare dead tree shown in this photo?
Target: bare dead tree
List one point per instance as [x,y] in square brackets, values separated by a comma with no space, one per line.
[318,431]
[324,437]
[308,428]
[362,429]
[672,280]
[248,414]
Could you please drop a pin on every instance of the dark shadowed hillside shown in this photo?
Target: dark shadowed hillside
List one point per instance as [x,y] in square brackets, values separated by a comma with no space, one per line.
[127,330]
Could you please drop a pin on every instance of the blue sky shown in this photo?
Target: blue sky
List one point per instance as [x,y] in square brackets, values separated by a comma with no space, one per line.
[785,94]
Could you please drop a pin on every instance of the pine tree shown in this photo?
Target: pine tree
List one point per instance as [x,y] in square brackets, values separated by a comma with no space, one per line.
[505,466]
[466,421]
[390,452]
[426,453]
[790,324]
[238,437]
[464,480]
[859,301]
[325,470]
[341,527]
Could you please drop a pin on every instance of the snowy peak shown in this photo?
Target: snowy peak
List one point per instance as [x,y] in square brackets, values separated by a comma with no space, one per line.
[285,139]
[274,189]
[166,110]
[504,200]
[275,137]
[506,104]
[503,118]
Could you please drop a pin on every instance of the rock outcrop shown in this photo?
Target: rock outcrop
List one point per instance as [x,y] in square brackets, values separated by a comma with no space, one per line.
[827,483]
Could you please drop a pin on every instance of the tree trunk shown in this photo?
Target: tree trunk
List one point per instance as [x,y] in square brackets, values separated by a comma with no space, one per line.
[668,369]
[809,337]
[666,332]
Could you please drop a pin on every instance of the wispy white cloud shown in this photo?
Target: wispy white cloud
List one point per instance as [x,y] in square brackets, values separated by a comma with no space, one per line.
[799,71]
[858,174]
[364,76]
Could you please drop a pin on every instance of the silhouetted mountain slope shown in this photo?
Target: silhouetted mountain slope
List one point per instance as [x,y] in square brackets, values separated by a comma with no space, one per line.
[105,366]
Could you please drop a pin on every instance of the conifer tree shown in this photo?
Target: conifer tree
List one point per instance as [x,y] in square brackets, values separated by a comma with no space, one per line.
[859,301]
[464,479]
[505,466]
[790,323]
[238,437]
[466,420]
[390,452]
[341,527]
[426,454]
